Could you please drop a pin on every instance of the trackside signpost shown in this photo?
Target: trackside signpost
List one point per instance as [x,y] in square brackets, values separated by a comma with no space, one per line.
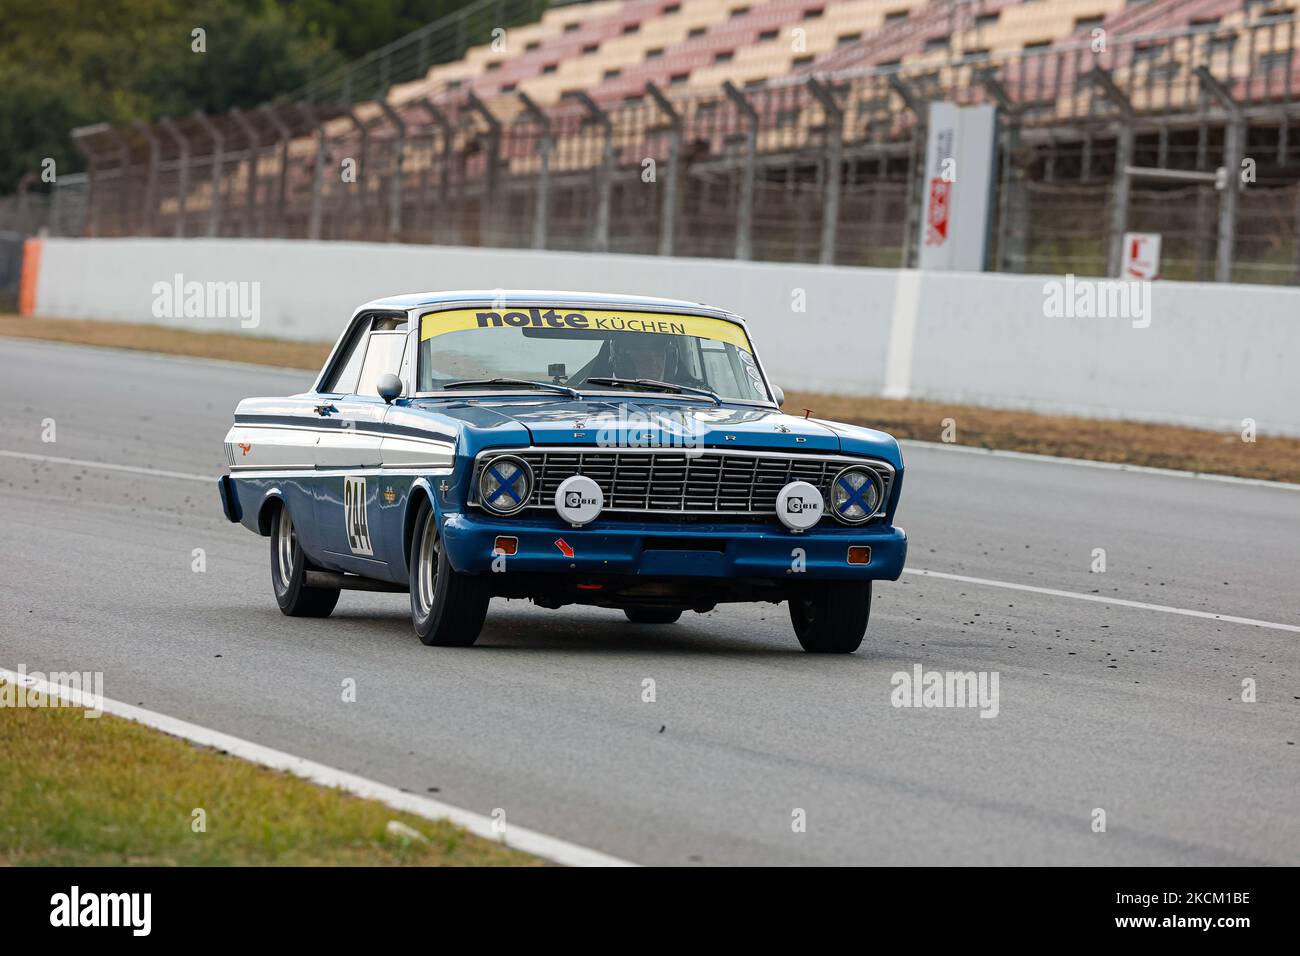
[958,187]
[1141,256]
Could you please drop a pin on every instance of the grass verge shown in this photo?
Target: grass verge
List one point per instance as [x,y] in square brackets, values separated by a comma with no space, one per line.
[109,792]
[156,338]
[1160,446]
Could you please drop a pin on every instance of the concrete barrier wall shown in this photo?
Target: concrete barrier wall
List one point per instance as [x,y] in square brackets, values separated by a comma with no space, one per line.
[1211,355]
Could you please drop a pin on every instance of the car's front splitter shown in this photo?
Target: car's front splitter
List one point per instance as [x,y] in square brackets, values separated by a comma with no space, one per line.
[722,550]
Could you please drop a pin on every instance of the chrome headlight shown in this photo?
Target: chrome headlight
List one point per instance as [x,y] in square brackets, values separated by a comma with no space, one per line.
[505,484]
[857,493]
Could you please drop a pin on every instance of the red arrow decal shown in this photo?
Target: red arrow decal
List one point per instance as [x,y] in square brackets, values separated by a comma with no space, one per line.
[564,547]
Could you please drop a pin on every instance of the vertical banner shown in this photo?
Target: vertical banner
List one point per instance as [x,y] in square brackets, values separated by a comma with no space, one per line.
[27,278]
[958,187]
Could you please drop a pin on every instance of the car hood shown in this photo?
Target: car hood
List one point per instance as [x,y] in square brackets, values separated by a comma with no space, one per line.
[640,423]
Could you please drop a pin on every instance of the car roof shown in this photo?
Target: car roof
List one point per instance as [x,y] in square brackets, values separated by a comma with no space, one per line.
[522,298]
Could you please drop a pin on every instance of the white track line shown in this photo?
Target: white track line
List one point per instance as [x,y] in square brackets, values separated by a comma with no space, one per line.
[1106,465]
[518,838]
[1074,595]
[107,466]
[1100,599]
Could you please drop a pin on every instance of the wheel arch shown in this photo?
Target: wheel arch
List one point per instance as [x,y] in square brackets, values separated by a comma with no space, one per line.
[272,502]
[421,491]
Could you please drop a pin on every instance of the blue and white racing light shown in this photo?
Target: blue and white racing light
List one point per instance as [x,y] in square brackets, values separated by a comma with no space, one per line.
[855,495]
[505,485]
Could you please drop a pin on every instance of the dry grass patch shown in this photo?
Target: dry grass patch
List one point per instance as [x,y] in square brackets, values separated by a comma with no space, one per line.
[1134,443]
[155,338]
[109,792]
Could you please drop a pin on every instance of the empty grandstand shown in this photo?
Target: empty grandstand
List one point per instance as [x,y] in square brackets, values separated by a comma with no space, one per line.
[768,129]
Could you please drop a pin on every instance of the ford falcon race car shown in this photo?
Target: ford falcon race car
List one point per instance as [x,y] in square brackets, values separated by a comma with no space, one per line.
[560,447]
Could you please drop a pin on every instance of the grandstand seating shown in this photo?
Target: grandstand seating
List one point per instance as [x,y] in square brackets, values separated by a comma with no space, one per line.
[610,49]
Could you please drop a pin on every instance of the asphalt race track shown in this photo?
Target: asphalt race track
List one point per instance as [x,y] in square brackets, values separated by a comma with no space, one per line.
[1132,710]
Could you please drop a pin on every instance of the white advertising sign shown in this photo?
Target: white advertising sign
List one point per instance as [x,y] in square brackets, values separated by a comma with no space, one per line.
[1141,256]
[958,187]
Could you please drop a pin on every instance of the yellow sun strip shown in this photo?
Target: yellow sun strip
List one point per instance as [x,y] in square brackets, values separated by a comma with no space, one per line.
[460,320]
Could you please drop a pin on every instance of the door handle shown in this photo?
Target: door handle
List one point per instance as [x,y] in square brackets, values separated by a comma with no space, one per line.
[326,410]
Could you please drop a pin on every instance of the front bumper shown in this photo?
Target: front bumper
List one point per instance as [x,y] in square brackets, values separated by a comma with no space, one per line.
[721,550]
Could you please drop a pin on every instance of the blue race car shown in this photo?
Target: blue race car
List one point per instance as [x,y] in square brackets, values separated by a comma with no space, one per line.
[617,451]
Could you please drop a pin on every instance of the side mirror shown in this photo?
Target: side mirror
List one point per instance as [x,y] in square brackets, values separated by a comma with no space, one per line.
[389,387]
[779,394]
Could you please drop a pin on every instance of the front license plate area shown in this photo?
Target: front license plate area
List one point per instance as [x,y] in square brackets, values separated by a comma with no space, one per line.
[672,563]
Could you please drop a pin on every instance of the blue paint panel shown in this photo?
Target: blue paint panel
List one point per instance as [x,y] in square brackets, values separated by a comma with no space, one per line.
[708,564]
[294,490]
[619,548]
[327,503]
[386,522]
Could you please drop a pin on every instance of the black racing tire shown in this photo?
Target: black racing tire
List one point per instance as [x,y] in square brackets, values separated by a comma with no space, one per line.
[831,617]
[288,570]
[447,608]
[653,615]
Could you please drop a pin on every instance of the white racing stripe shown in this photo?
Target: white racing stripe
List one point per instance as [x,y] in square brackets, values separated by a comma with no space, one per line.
[106,466]
[518,838]
[905,442]
[1100,599]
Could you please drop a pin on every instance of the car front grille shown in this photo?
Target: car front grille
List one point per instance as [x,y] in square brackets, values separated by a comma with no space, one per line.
[682,483]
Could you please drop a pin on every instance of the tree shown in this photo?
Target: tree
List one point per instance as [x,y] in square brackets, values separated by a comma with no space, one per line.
[84,61]
[73,62]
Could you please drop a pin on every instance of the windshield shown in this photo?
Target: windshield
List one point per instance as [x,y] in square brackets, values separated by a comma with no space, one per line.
[587,349]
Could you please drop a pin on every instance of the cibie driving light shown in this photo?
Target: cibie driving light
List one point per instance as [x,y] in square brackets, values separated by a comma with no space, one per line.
[799,505]
[579,500]
[505,485]
[855,495]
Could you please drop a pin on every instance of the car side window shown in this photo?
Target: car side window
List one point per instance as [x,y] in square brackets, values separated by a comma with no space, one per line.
[344,380]
[383,355]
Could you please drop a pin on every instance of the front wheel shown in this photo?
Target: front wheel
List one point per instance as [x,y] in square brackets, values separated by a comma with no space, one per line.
[289,569]
[447,607]
[831,617]
[653,615]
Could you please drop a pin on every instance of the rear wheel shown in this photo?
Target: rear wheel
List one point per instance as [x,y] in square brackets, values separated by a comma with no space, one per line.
[288,571]
[653,615]
[831,617]
[447,608]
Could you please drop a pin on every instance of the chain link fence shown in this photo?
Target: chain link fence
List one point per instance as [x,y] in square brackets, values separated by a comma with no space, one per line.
[747,173]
